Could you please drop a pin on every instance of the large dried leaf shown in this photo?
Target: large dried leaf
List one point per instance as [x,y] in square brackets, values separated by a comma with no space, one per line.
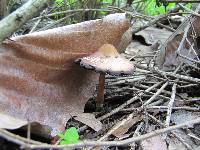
[168,58]
[6,120]
[39,81]
[152,35]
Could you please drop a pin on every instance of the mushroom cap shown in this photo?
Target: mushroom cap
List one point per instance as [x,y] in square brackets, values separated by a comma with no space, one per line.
[107,60]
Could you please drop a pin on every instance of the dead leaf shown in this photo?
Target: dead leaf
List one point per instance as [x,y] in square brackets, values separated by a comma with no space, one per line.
[168,59]
[140,52]
[121,130]
[136,48]
[90,120]
[6,120]
[39,81]
[174,143]
[181,116]
[152,35]
[154,143]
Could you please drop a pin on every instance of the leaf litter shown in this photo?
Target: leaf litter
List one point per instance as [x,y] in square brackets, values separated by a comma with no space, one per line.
[119,108]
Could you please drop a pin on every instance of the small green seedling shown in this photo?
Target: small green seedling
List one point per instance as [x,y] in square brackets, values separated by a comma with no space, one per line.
[69,137]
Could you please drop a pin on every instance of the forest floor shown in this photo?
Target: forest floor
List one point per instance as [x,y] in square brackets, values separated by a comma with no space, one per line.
[152,99]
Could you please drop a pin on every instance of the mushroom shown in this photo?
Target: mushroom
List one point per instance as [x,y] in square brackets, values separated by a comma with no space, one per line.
[106,61]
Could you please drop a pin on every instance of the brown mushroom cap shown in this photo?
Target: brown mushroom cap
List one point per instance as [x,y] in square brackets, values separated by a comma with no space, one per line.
[107,60]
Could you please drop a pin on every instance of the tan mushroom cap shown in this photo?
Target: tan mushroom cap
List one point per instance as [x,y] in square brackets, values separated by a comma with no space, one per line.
[107,60]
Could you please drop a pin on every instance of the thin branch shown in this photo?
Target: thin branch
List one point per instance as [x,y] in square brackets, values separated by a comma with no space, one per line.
[170,105]
[16,19]
[120,142]
[156,94]
[164,108]
[16,138]
[123,105]
[70,11]
[170,74]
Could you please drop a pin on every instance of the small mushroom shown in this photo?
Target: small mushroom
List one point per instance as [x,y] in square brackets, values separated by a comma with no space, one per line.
[106,61]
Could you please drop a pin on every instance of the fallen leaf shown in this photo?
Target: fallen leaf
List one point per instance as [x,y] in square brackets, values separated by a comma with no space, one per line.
[6,120]
[174,144]
[140,52]
[121,130]
[181,116]
[136,48]
[90,120]
[168,59]
[187,139]
[152,35]
[39,81]
[154,143]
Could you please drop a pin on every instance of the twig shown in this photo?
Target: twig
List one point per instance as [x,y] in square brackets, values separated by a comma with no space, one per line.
[156,94]
[182,141]
[184,37]
[155,20]
[127,81]
[193,136]
[16,139]
[151,93]
[121,123]
[187,86]
[189,10]
[173,133]
[170,74]
[36,24]
[145,87]
[123,105]
[178,76]
[70,11]
[117,143]
[190,59]
[164,108]
[170,105]
[15,20]
[152,22]
[56,22]
[129,101]
[158,102]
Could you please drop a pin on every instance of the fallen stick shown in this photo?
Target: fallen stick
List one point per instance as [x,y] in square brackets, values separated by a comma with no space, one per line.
[117,143]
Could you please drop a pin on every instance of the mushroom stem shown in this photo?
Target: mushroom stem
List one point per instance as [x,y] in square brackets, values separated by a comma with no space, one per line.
[100,94]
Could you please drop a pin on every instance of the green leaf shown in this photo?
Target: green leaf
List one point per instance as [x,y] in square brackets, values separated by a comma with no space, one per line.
[153,9]
[71,133]
[61,135]
[70,136]
[63,142]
